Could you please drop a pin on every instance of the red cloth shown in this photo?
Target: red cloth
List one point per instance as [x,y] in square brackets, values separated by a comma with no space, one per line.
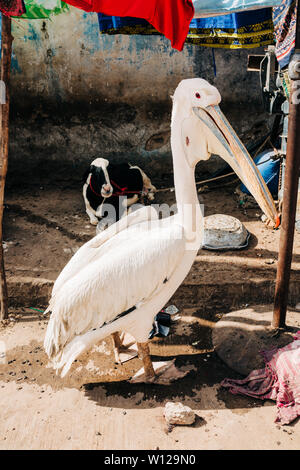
[12,7]
[170,17]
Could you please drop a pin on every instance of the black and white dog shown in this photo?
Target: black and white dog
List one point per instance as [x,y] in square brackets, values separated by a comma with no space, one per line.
[114,186]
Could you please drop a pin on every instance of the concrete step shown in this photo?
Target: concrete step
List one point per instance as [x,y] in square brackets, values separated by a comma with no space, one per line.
[226,294]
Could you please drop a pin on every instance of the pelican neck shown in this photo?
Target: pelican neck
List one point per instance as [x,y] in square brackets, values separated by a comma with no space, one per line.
[184,175]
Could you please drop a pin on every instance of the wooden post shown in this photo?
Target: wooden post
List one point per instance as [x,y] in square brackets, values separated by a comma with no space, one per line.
[6,49]
[291,180]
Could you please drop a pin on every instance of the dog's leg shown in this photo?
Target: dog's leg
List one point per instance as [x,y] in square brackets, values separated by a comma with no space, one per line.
[99,211]
[90,212]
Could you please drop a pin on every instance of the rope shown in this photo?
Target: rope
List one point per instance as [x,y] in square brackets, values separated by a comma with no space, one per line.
[217,178]
[123,191]
[95,192]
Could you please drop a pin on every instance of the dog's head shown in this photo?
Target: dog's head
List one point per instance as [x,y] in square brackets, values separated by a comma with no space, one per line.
[100,177]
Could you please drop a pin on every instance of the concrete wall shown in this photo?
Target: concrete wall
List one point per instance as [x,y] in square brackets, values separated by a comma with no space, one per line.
[77,94]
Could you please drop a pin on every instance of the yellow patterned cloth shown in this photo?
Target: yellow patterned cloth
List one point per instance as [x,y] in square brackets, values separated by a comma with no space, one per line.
[245,37]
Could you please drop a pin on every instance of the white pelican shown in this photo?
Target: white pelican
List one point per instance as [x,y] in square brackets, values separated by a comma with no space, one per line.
[120,279]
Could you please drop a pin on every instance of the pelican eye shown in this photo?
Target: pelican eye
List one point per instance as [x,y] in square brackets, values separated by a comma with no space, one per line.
[198,95]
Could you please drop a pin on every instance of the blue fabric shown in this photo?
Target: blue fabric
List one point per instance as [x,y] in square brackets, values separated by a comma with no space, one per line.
[231,21]
[269,169]
[116,22]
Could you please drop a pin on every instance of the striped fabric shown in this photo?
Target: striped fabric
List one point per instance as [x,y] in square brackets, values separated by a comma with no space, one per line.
[284,19]
[278,381]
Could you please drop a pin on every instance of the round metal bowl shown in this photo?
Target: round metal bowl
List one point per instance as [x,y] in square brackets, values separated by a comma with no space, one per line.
[224,232]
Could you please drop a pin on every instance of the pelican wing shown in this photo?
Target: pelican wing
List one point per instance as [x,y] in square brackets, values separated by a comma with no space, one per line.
[89,251]
[129,270]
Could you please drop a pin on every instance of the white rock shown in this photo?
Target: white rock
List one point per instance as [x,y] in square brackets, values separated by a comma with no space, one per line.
[177,413]
[298,306]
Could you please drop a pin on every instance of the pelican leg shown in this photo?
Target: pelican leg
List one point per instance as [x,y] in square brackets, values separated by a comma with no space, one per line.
[144,355]
[124,346]
[117,344]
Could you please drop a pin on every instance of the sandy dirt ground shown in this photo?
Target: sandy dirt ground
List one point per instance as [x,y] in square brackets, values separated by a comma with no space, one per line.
[95,407]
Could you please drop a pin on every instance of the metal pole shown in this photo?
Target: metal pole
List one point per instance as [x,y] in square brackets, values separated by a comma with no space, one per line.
[290,190]
[6,48]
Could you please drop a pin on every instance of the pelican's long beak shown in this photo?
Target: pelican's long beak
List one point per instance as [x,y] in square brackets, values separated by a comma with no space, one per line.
[223,141]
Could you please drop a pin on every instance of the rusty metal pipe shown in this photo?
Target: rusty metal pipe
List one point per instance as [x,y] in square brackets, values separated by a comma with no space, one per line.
[290,193]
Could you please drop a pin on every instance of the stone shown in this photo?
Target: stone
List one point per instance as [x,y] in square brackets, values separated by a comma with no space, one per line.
[177,413]
[240,336]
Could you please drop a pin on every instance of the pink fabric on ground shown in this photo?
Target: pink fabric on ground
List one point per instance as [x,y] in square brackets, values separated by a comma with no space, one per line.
[278,381]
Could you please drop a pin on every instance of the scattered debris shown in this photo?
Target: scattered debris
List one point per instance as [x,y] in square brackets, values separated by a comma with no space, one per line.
[264,218]
[162,322]
[171,310]
[270,261]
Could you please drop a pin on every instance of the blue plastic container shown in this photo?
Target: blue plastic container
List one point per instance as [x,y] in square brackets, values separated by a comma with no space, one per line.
[269,170]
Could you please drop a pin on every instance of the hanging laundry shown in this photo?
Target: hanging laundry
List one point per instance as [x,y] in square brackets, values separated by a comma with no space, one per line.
[169,17]
[205,8]
[284,19]
[39,9]
[48,4]
[12,7]
[242,30]
[126,25]
[234,31]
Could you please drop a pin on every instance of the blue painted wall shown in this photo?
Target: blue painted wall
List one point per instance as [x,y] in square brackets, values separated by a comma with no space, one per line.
[66,59]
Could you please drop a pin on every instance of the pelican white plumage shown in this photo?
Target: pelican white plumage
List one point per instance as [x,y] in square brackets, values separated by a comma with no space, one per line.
[120,279]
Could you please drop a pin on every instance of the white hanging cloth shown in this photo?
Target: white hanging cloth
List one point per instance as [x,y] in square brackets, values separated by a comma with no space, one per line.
[205,8]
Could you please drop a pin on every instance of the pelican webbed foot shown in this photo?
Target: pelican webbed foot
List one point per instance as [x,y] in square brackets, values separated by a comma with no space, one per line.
[161,373]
